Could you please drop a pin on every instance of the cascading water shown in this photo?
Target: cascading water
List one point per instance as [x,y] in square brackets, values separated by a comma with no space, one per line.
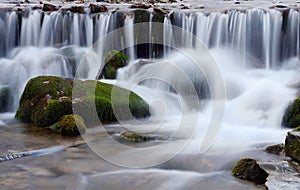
[257,52]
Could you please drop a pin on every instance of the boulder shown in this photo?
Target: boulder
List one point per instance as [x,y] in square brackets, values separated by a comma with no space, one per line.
[47,98]
[291,118]
[292,145]
[248,169]
[275,149]
[70,125]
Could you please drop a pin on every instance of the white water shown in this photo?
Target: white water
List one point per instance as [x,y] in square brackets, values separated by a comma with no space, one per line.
[257,67]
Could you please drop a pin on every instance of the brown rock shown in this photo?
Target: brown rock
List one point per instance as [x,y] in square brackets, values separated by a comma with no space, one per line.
[97,8]
[49,7]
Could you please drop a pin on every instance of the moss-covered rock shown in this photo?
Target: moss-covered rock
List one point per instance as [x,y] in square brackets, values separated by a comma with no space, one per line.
[275,149]
[248,169]
[292,145]
[113,61]
[139,137]
[46,99]
[96,97]
[70,125]
[291,117]
[5,98]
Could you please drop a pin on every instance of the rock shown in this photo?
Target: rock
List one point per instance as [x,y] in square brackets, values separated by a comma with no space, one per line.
[291,117]
[97,8]
[138,137]
[275,149]
[70,125]
[140,6]
[248,169]
[160,10]
[292,145]
[113,61]
[47,98]
[49,7]
[77,9]
[40,103]
[163,1]
[5,98]
[280,6]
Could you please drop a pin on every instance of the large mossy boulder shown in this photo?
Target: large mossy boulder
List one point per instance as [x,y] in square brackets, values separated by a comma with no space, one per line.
[292,145]
[47,98]
[248,169]
[113,61]
[291,118]
[70,125]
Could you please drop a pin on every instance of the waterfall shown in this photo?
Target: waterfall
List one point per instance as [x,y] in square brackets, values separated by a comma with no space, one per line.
[259,38]
[48,44]
[129,36]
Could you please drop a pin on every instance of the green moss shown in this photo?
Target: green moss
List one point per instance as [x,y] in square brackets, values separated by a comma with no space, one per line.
[292,147]
[113,61]
[54,110]
[70,125]
[51,86]
[291,117]
[92,100]
[297,129]
[5,98]
[135,137]
[248,169]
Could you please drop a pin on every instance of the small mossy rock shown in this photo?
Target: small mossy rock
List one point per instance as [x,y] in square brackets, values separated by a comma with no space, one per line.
[292,145]
[275,149]
[291,118]
[5,98]
[248,169]
[136,137]
[44,100]
[70,125]
[113,61]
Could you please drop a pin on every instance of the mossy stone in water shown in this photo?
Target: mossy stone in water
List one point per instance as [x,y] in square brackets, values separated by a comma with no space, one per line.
[44,100]
[291,117]
[5,98]
[248,169]
[70,125]
[292,145]
[113,61]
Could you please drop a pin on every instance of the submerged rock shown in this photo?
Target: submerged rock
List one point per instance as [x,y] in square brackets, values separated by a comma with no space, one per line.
[292,145]
[139,137]
[70,125]
[47,98]
[248,169]
[275,149]
[291,117]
